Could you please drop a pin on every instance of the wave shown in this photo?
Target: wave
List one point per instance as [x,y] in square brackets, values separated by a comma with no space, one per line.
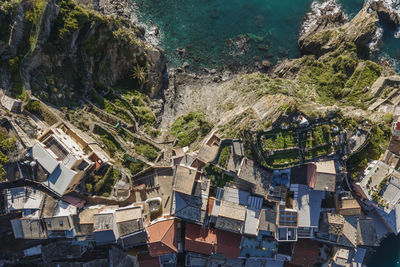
[152,33]
[376,41]
[319,9]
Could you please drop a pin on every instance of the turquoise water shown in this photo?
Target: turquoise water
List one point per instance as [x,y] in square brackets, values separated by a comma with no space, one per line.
[210,29]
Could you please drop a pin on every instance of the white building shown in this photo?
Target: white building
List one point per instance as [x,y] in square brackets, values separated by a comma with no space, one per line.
[66,157]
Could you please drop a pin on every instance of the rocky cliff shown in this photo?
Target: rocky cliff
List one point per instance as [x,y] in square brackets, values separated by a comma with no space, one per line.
[58,51]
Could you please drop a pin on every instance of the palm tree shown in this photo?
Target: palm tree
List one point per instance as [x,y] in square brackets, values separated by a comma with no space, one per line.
[140,73]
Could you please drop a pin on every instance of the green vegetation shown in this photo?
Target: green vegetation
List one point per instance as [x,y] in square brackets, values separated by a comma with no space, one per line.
[379,138]
[146,150]
[17,89]
[263,84]
[224,156]
[113,109]
[141,147]
[283,139]
[314,142]
[39,109]
[9,7]
[217,177]
[341,77]
[102,185]
[7,144]
[70,18]
[112,146]
[33,16]
[140,73]
[145,115]
[321,135]
[133,164]
[33,107]
[283,158]
[117,103]
[188,128]
[318,151]
[388,118]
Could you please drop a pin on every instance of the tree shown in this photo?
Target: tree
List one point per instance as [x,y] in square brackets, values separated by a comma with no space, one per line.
[140,73]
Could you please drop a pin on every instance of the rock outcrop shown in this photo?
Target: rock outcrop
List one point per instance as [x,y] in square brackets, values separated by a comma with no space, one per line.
[68,50]
[387,9]
[328,32]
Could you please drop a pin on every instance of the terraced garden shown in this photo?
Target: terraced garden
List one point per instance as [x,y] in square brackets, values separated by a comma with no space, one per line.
[281,148]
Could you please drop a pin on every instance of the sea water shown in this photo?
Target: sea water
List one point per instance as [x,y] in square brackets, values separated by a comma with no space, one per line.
[388,254]
[235,33]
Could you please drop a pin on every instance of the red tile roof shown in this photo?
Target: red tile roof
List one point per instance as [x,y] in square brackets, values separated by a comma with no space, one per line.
[210,205]
[228,244]
[162,238]
[305,253]
[199,239]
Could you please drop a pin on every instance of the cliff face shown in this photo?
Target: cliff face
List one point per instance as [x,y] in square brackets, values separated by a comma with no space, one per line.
[330,32]
[58,51]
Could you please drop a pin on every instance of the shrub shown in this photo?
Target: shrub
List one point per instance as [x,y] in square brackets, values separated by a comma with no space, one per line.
[10,7]
[146,150]
[89,187]
[33,107]
[379,138]
[144,115]
[188,128]
[7,144]
[134,165]
[224,156]
[70,18]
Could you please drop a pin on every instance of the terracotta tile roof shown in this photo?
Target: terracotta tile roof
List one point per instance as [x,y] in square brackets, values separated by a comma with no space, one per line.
[305,253]
[228,244]
[162,238]
[210,205]
[199,239]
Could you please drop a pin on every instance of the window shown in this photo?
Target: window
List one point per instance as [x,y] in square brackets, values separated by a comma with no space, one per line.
[61,223]
[49,224]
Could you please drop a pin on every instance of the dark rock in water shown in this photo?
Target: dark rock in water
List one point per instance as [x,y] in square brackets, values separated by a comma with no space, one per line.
[181,51]
[205,69]
[268,55]
[387,11]
[283,52]
[263,47]
[259,20]
[266,64]
[214,13]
